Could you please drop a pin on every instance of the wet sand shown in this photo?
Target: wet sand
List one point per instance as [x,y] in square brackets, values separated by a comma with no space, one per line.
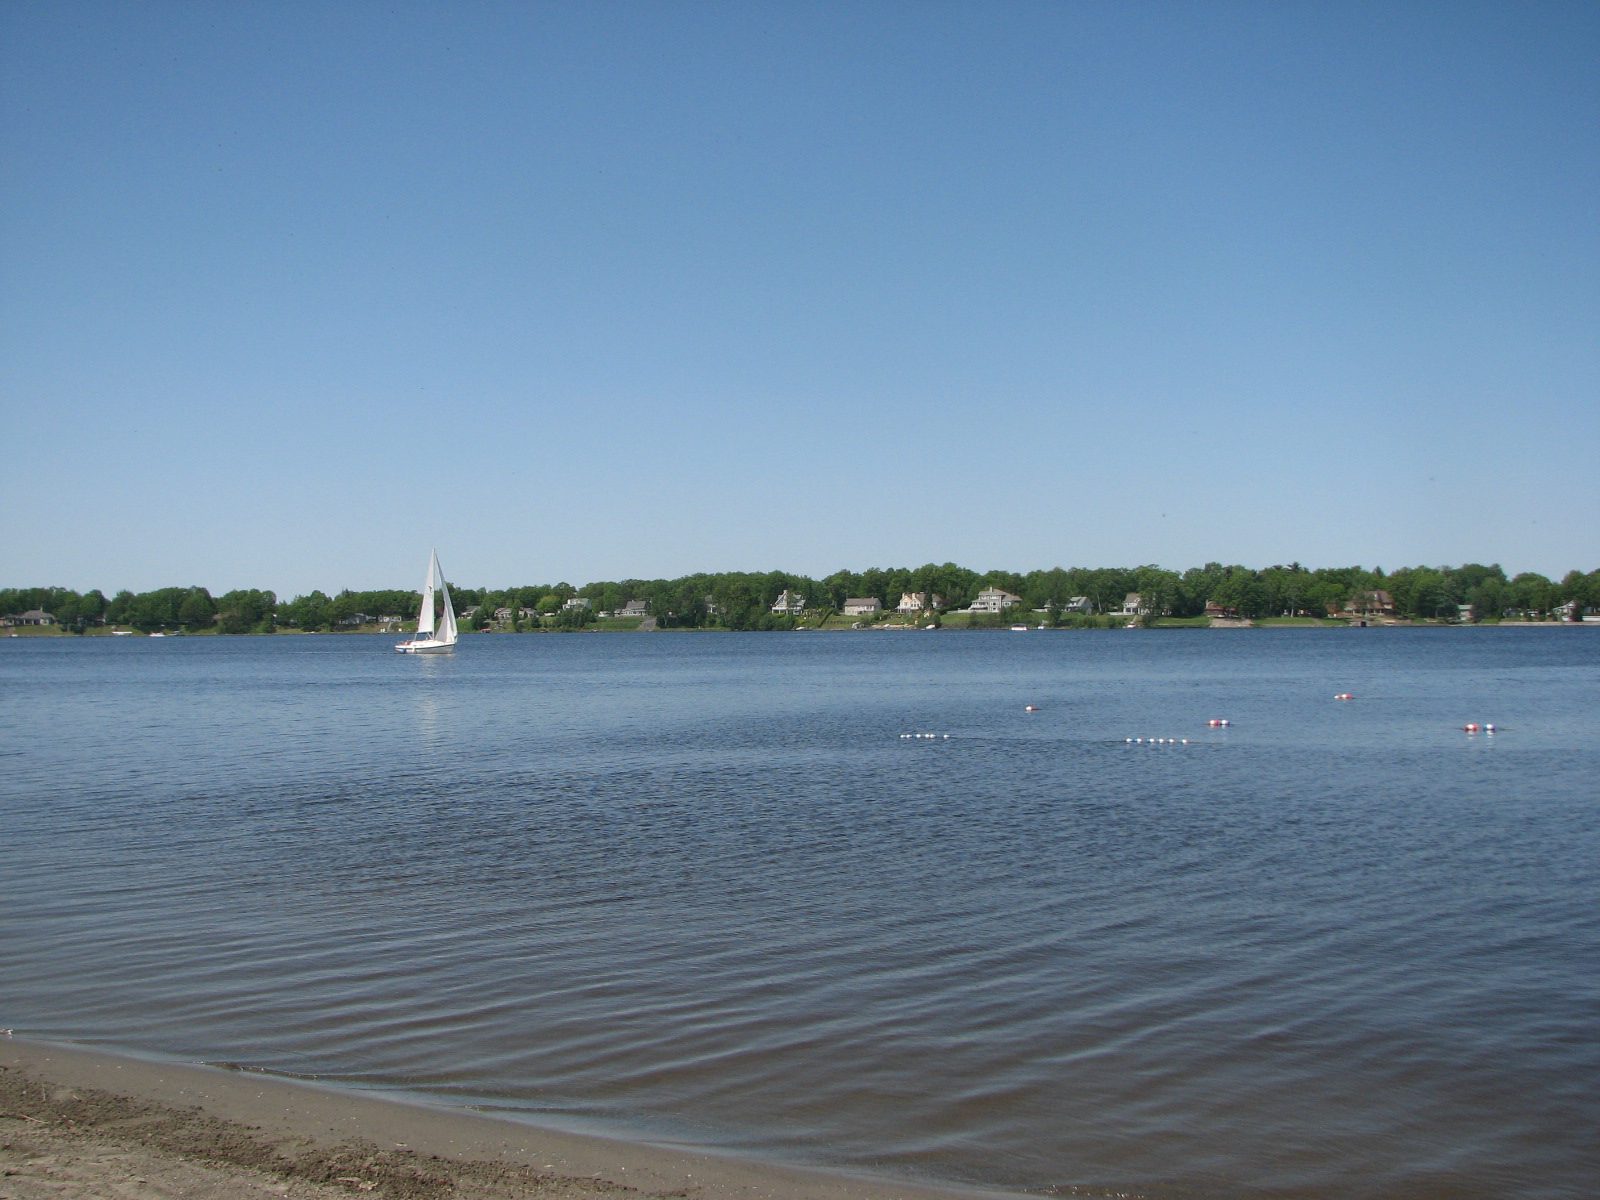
[83,1124]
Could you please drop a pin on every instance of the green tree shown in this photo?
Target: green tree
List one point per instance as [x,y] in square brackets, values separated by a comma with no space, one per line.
[93,606]
[1574,589]
[1427,597]
[1160,591]
[64,607]
[246,610]
[571,618]
[120,610]
[1489,599]
[1108,587]
[840,586]
[1532,592]
[310,612]
[196,609]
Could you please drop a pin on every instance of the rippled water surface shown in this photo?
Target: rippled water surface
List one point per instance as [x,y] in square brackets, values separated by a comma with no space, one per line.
[700,889]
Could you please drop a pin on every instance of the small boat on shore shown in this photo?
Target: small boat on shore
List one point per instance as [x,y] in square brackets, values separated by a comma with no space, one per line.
[436,625]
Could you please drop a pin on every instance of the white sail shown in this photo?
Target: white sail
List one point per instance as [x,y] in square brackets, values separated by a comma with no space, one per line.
[436,625]
[445,630]
[425,621]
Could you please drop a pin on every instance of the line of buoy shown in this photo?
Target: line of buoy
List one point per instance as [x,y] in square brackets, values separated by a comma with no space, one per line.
[924,737]
[1142,741]
[1475,727]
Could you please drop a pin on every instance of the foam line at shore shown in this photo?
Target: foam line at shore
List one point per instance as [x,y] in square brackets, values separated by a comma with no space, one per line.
[279,1110]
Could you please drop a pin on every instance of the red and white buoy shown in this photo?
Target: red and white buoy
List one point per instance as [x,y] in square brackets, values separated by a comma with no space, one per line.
[1219,722]
[1344,696]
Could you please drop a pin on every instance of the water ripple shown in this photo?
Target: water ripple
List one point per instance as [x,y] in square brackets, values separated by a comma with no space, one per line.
[699,889]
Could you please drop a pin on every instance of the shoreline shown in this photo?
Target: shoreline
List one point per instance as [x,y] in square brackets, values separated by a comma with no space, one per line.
[1215,623]
[94,1123]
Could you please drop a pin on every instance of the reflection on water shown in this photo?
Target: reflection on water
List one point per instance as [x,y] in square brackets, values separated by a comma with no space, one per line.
[701,889]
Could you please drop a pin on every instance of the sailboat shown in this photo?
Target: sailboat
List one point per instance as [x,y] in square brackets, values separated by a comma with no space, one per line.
[436,627]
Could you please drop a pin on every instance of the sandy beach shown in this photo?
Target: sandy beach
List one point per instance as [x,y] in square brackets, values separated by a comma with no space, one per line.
[89,1125]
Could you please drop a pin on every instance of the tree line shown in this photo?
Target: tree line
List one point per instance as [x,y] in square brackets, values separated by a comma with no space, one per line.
[743,600]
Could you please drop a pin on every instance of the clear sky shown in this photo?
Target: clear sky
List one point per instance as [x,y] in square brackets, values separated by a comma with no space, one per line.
[292,292]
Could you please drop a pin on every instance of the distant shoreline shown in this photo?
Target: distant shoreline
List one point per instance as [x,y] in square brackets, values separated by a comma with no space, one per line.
[59,632]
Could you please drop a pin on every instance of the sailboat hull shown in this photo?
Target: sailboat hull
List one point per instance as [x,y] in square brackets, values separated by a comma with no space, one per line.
[425,647]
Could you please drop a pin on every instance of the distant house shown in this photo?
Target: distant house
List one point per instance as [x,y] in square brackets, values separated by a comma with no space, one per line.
[1213,609]
[1078,604]
[635,608]
[575,602]
[862,606]
[502,616]
[994,600]
[34,616]
[357,618]
[788,603]
[1133,605]
[1464,614]
[713,609]
[1570,611]
[916,602]
[1375,602]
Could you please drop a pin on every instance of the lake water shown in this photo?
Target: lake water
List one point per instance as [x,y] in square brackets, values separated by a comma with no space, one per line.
[700,889]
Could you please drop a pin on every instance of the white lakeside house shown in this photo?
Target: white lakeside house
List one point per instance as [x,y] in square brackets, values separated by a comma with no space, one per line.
[994,600]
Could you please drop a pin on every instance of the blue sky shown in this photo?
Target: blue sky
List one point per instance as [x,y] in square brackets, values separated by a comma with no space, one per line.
[291,292]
